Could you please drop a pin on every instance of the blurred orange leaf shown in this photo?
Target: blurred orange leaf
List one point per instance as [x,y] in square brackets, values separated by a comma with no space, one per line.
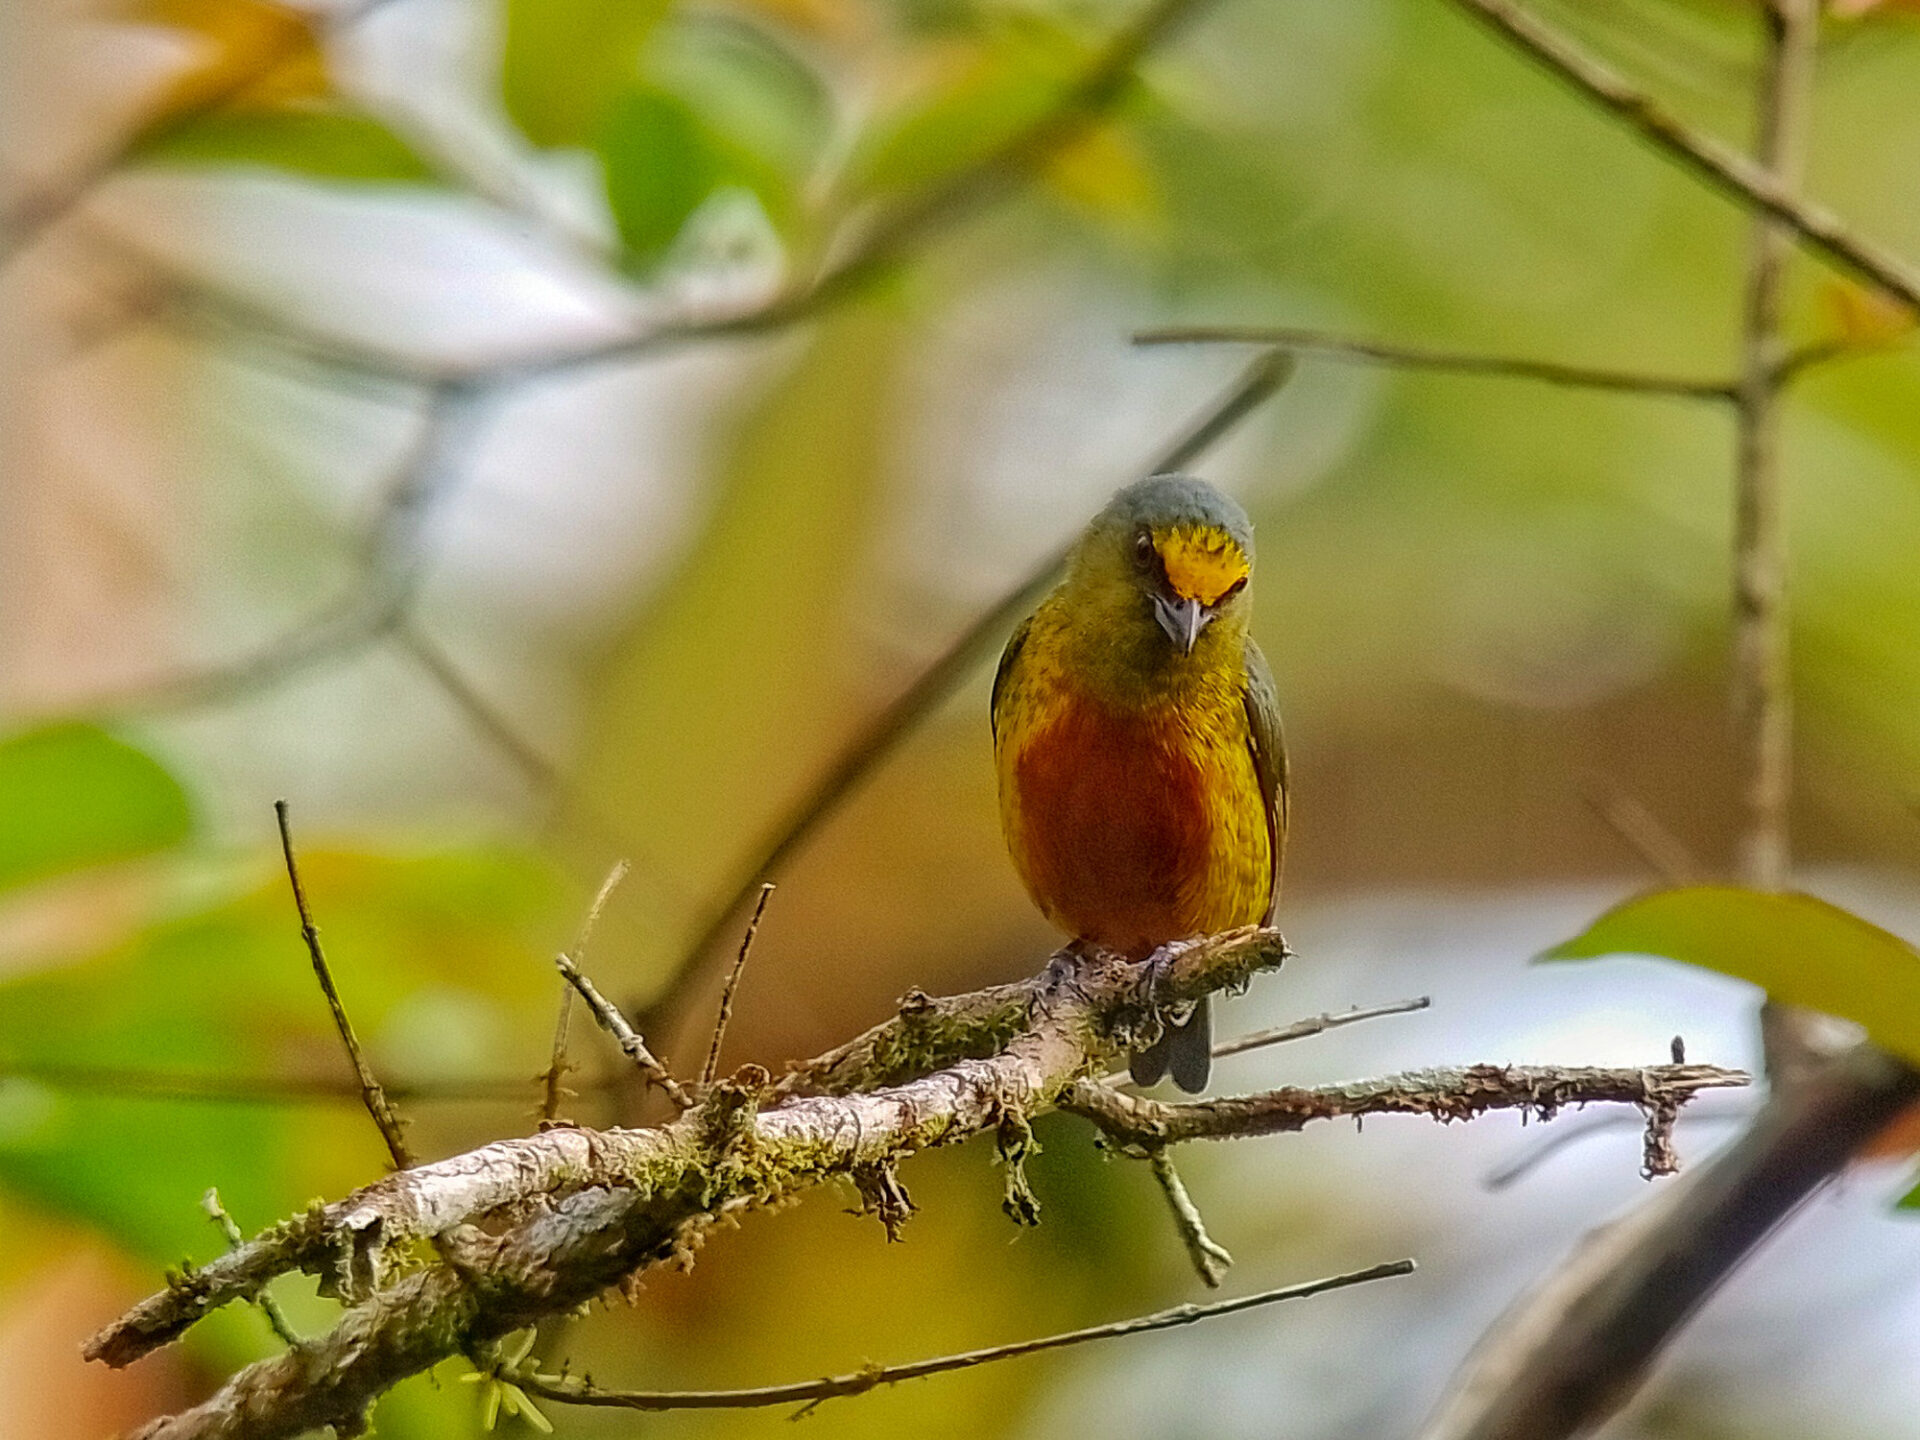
[253,54]
[1863,317]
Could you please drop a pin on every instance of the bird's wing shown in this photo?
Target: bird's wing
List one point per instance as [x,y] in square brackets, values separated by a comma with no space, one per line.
[1008,657]
[1269,746]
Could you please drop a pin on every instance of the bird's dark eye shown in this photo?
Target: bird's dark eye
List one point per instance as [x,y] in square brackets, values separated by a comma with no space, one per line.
[1143,549]
[1232,590]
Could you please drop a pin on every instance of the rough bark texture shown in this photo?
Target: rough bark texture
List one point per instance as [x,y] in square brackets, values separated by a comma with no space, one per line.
[446,1257]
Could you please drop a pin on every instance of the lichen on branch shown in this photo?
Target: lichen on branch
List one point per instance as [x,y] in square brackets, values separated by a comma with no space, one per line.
[532,1227]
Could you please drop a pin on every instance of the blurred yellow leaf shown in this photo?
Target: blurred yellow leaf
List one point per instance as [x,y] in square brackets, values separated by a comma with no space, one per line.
[727,688]
[820,17]
[968,100]
[1864,317]
[253,54]
[1105,173]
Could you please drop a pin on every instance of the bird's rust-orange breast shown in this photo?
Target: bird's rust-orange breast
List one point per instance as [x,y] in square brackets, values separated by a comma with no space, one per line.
[1115,826]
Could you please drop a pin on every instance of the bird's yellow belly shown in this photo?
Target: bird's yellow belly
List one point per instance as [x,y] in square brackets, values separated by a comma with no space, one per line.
[1133,828]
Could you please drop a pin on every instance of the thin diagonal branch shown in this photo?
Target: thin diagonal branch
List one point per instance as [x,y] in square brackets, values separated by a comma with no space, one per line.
[1326,346]
[1640,831]
[1317,1025]
[228,1089]
[374,1098]
[480,712]
[629,1041]
[1723,168]
[264,1302]
[725,1011]
[551,1089]
[1210,1259]
[375,603]
[858,1382]
[882,735]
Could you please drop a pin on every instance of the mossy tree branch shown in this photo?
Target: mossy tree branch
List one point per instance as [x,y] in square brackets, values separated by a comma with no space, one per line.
[451,1255]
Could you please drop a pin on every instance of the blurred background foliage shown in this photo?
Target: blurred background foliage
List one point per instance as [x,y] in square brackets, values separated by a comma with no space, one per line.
[670,583]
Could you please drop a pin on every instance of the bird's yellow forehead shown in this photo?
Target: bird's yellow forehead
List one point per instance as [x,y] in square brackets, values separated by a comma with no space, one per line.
[1202,563]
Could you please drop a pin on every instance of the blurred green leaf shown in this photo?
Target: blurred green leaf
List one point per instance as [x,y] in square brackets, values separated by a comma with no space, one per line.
[565,61]
[981,103]
[1800,950]
[72,796]
[659,167]
[749,86]
[1910,1200]
[227,990]
[663,160]
[330,144]
[989,96]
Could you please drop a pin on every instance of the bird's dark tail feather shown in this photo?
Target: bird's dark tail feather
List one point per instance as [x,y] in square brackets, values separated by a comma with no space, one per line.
[1184,1051]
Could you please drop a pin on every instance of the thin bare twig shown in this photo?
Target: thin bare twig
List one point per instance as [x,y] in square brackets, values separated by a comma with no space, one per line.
[196,1087]
[858,1382]
[1317,1025]
[1762,701]
[377,600]
[725,1012]
[1561,1138]
[371,1095]
[1641,831]
[1455,1093]
[480,712]
[615,1024]
[1723,168]
[1210,1258]
[880,736]
[1413,357]
[551,1089]
[235,1237]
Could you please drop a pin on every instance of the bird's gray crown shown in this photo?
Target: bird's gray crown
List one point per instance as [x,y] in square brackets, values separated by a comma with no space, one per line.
[1171,501]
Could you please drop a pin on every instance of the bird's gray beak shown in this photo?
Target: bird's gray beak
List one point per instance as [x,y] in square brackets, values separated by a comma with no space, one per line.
[1183,620]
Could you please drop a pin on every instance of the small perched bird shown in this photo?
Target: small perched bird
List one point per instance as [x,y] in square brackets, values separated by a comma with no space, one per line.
[1143,778]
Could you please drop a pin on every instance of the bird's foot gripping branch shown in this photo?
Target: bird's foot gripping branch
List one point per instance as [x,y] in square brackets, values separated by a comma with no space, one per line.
[444,1258]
